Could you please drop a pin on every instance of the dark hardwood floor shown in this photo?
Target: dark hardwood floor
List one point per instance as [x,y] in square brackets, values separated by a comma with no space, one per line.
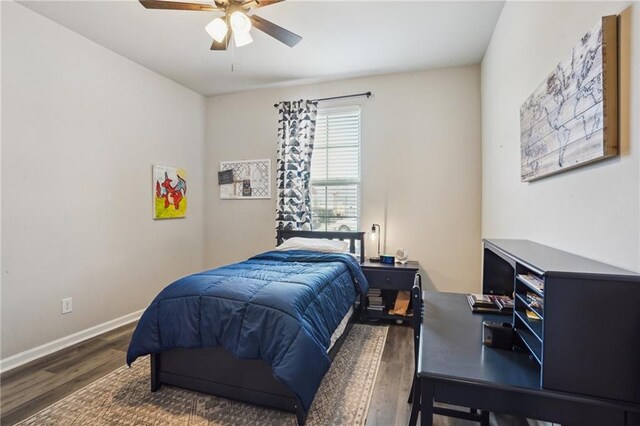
[30,388]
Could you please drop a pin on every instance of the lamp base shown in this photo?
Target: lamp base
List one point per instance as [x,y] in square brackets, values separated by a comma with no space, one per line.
[374,259]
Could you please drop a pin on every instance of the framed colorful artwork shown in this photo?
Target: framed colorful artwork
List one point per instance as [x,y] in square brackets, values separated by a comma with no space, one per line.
[169,192]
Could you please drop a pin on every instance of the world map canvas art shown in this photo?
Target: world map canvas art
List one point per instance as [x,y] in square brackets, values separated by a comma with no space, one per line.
[169,192]
[571,119]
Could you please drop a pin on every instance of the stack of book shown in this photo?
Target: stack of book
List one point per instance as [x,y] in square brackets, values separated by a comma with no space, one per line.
[534,300]
[490,303]
[533,281]
[535,303]
[376,303]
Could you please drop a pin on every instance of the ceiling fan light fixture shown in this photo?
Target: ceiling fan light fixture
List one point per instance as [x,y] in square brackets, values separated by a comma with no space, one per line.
[240,23]
[242,39]
[238,20]
[217,29]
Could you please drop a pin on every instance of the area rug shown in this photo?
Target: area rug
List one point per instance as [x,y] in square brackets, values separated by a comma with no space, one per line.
[123,397]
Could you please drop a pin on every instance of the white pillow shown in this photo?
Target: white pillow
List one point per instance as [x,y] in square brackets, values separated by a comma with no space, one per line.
[314,244]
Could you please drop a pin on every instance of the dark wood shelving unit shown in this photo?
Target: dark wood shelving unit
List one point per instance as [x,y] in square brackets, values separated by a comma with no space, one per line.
[579,348]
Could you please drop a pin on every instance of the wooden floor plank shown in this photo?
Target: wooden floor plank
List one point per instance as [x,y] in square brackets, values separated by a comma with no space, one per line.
[19,384]
[43,400]
[72,360]
[118,334]
[121,342]
[88,344]
[30,388]
[389,401]
[76,373]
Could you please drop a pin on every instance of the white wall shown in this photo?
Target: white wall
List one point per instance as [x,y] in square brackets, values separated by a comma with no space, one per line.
[594,210]
[420,168]
[81,128]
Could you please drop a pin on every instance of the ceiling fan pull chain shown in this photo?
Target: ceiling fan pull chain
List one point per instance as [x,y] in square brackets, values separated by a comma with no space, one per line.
[233,54]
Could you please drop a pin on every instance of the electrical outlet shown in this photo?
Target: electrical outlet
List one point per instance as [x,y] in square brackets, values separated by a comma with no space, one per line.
[67,305]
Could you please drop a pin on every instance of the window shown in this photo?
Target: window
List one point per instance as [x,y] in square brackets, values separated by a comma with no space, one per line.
[335,170]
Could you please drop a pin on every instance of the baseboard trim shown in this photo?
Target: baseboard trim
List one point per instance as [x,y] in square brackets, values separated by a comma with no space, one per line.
[29,355]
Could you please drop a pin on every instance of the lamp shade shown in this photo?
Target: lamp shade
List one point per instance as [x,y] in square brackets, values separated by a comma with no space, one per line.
[217,29]
[240,23]
[242,39]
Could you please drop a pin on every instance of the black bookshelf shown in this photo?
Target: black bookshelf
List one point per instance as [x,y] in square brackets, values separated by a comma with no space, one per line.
[578,318]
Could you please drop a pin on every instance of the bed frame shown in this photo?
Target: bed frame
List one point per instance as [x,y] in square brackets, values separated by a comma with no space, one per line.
[337,235]
[216,371]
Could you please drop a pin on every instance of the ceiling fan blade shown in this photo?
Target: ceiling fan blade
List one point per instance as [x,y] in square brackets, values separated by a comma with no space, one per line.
[255,4]
[222,45]
[176,5]
[275,31]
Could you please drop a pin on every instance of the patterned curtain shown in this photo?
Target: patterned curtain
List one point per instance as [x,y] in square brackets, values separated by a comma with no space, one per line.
[296,129]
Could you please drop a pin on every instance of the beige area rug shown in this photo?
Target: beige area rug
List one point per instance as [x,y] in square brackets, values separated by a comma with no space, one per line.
[123,397]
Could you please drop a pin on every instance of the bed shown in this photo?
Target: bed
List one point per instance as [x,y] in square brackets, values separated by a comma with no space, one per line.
[263,345]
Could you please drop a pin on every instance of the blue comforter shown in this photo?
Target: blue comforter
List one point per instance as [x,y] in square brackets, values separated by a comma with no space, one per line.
[281,307]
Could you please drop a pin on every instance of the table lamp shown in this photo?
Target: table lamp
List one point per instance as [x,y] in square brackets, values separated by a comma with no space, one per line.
[375,236]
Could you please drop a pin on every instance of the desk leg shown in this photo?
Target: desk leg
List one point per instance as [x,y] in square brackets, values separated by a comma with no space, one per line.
[484,418]
[415,401]
[426,402]
[413,385]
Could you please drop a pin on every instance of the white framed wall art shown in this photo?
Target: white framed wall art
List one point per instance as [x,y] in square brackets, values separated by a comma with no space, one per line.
[251,180]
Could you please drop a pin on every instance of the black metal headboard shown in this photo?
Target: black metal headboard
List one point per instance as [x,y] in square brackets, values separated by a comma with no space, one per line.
[336,235]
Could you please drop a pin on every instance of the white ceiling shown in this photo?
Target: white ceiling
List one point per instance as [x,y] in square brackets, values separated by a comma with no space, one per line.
[340,39]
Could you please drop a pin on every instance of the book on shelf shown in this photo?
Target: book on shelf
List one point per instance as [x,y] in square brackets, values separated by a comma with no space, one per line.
[534,301]
[490,303]
[533,281]
[532,316]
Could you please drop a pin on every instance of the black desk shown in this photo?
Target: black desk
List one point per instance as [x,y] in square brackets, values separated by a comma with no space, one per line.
[454,367]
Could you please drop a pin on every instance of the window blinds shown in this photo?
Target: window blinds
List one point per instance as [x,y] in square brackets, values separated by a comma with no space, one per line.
[335,170]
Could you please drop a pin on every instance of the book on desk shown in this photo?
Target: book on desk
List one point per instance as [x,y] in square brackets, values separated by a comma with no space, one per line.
[488,303]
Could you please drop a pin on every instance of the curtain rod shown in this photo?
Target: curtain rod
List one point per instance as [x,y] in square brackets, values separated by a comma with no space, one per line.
[356,95]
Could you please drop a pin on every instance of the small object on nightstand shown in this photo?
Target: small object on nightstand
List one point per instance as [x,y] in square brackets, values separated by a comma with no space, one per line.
[387,260]
[402,255]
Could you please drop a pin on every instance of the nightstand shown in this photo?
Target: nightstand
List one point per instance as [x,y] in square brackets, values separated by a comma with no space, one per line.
[388,280]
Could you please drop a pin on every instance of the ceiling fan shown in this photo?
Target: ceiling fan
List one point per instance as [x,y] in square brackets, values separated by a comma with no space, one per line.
[235,20]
